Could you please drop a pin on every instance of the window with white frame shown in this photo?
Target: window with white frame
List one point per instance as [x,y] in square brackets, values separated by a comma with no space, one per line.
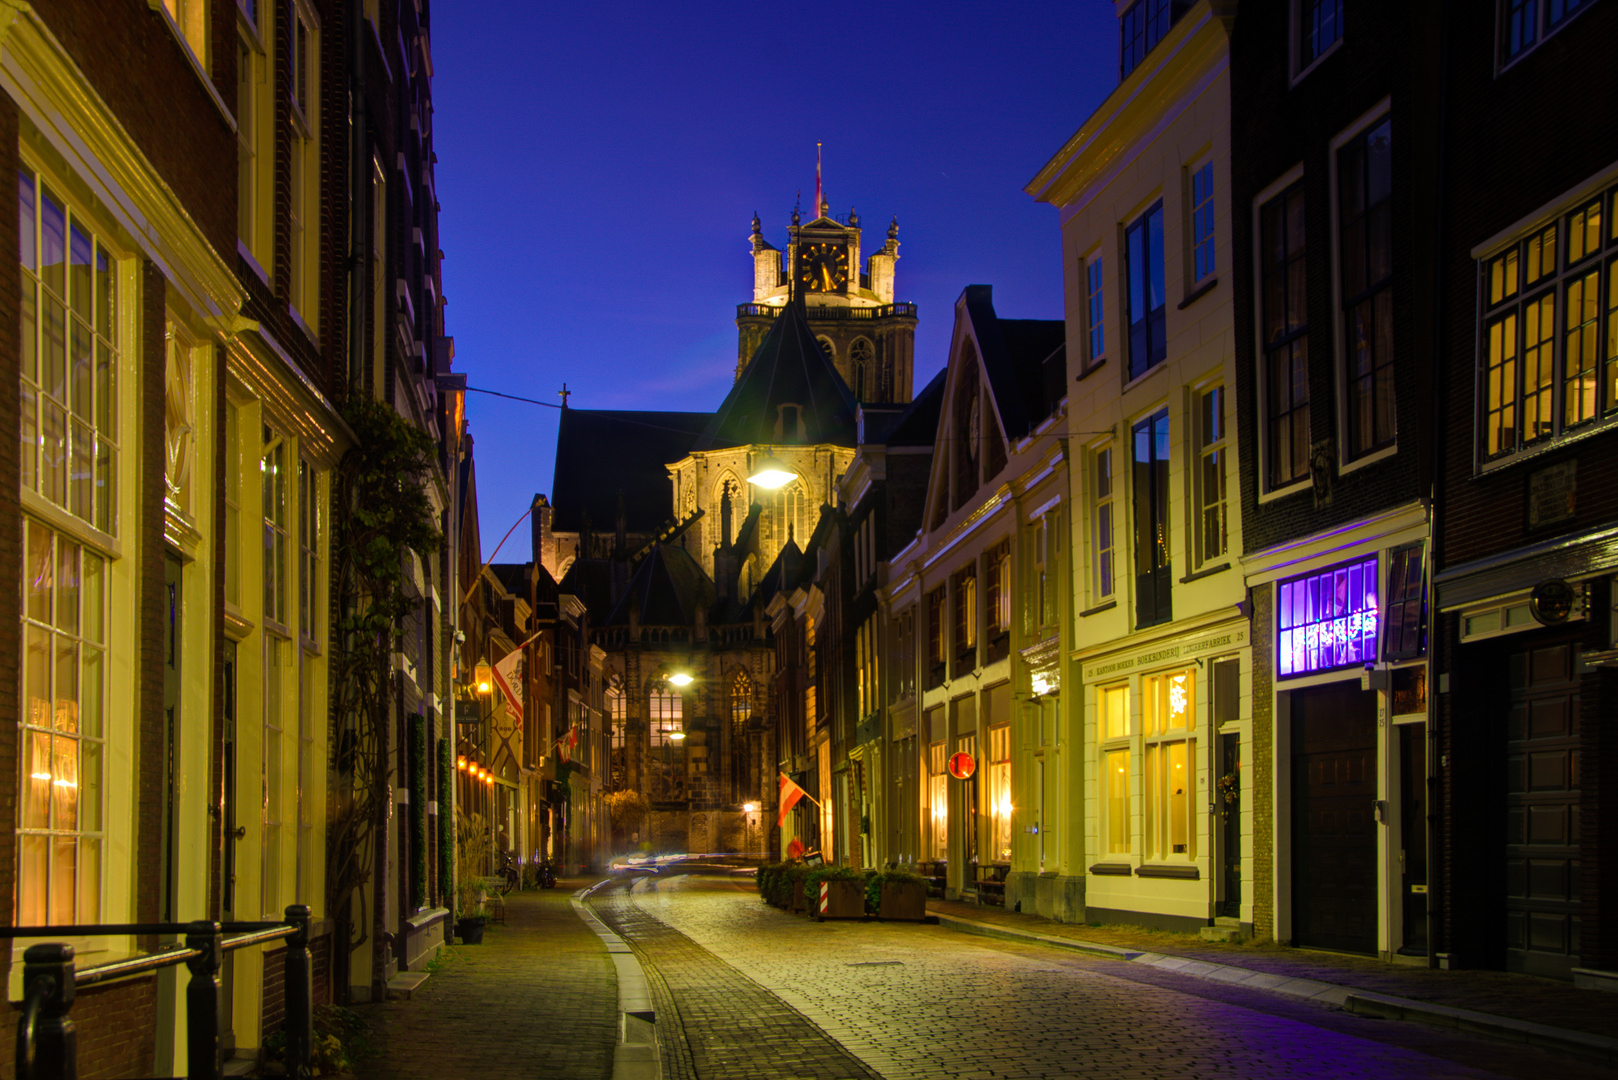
[1202,224]
[1149,496]
[63,730]
[1094,313]
[191,20]
[1142,25]
[966,610]
[1526,23]
[273,487]
[233,504]
[1144,295]
[1547,374]
[303,48]
[272,794]
[1101,532]
[69,386]
[1168,721]
[1114,737]
[309,522]
[1209,480]
[1284,322]
[1365,249]
[1320,26]
[937,802]
[1000,792]
[997,591]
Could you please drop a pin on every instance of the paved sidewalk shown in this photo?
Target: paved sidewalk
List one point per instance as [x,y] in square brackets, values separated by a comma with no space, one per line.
[1520,1007]
[538,998]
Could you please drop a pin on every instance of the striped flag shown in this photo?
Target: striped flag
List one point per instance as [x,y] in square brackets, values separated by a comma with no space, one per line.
[790,794]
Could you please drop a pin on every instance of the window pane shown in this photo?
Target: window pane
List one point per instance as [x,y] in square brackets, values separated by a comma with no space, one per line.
[1116,765]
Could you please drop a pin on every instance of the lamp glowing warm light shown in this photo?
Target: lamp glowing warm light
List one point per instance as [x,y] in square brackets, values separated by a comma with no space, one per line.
[485,677]
[1041,686]
[751,807]
[771,473]
[677,736]
[460,763]
[680,678]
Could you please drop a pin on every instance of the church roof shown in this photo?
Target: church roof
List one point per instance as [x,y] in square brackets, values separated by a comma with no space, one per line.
[789,368]
[667,588]
[600,452]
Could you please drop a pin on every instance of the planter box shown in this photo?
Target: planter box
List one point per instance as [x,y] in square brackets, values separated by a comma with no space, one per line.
[840,900]
[470,930]
[903,900]
[797,896]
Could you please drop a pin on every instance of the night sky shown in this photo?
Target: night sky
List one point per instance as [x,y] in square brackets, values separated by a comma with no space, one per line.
[599,166]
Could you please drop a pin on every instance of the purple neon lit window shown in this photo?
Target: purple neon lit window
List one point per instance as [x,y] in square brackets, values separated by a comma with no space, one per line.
[1328,619]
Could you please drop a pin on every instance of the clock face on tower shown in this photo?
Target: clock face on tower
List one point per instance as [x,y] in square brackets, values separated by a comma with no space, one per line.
[822,267]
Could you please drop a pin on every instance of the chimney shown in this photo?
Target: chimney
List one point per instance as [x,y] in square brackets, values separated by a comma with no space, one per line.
[539,527]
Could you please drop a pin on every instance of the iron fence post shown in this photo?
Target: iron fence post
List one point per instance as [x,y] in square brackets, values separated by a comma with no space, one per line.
[300,1008]
[47,978]
[202,1000]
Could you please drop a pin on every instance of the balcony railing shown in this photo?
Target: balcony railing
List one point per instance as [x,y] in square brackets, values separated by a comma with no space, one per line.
[825,313]
[47,1044]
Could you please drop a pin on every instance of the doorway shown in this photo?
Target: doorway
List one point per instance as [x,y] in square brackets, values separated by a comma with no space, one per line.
[1413,836]
[1334,795]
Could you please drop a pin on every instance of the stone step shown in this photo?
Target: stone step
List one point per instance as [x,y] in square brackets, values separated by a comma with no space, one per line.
[1226,920]
[404,984]
[1231,935]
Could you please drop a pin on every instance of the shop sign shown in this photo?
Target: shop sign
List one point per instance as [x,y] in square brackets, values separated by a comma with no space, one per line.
[961,766]
[468,712]
[1328,619]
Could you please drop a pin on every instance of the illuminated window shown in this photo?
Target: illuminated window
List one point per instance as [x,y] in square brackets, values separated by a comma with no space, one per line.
[1168,714]
[966,610]
[1547,364]
[191,20]
[616,713]
[70,363]
[741,711]
[1284,320]
[273,486]
[935,626]
[1000,792]
[1112,707]
[998,591]
[64,699]
[937,802]
[667,727]
[1328,619]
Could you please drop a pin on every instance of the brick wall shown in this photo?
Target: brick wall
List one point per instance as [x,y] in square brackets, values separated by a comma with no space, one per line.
[1274,128]
[1514,145]
[116,1029]
[1263,778]
[135,65]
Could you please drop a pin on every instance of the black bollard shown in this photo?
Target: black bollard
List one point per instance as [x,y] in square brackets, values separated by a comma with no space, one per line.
[300,1018]
[47,979]
[202,1001]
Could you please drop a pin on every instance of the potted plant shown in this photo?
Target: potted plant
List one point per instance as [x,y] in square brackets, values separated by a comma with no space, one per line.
[471,859]
[901,895]
[835,892]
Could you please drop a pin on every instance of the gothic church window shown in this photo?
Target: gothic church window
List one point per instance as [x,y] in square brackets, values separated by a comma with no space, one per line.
[862,372]
[741,711]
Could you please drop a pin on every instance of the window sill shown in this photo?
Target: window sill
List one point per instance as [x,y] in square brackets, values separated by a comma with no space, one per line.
[1274,494]
[1207,572]
[1091,370]
[1160,870]
[1099,608]
[1104,869]
[1198,293]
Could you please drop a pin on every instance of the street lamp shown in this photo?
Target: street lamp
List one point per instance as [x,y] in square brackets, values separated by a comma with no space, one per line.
[484,675]
[771,473]
[680,678]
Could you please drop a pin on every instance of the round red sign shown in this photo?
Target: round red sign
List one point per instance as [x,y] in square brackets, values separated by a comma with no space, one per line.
[962,766]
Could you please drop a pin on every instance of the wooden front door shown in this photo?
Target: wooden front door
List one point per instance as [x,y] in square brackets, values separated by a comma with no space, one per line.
[1542,812]
[1334,818]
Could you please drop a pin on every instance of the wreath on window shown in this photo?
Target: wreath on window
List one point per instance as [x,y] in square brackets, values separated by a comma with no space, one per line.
[1230,789]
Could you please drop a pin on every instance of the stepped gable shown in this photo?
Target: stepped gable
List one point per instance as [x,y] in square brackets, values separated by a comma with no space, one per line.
[667,588]
[600,452]
[1014,354]
[787,368]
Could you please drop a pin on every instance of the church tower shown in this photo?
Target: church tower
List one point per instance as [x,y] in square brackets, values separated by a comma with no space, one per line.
[868,337]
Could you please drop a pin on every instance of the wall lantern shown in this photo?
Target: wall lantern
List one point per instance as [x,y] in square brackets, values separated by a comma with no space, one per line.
[485,677]
[680,678]
[771,473]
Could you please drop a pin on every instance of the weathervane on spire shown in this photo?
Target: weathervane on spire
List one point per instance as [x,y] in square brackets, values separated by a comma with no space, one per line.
[820,202]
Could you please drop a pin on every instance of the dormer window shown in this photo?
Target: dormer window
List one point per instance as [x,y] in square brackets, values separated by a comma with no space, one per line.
[789,423]
[1145,24]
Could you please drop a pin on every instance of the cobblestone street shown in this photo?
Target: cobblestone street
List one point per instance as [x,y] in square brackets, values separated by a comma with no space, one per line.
[910,1000]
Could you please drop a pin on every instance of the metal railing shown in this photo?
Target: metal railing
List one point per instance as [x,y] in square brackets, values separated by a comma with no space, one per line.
[47,1041]
[819,312]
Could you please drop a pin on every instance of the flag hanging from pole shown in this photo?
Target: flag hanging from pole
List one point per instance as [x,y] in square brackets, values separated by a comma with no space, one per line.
[509,677]
[565,745]
[790,794]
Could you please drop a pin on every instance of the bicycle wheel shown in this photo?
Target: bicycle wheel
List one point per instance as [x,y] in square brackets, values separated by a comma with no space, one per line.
[509,874]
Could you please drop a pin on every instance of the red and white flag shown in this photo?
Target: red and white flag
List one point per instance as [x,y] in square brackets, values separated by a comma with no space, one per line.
[790,794]
[509,677]
[565,745]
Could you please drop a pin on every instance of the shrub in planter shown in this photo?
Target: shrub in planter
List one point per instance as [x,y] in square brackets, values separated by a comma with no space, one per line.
[768,877]
[902,895]
[835,892]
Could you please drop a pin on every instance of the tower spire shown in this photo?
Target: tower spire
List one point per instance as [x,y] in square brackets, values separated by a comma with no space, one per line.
[819,200]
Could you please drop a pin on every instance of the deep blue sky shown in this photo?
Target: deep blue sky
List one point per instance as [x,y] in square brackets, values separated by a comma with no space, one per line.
[599,165]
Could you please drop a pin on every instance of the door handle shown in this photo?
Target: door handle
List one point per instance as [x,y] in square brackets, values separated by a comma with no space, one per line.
[239,832]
